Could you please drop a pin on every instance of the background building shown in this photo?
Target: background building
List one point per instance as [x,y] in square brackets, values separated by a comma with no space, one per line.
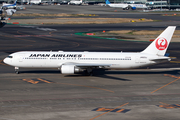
[168,4]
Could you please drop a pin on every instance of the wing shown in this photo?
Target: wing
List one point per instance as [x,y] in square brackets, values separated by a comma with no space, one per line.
[86,65]
[71,68]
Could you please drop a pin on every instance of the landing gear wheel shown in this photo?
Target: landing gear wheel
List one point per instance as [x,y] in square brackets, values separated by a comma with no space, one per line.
[90,73]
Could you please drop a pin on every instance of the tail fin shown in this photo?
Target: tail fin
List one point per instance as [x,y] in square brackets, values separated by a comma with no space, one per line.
[15,2]
[161,43]
[107,2]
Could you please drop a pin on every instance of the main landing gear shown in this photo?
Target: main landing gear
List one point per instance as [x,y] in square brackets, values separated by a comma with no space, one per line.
[89,72]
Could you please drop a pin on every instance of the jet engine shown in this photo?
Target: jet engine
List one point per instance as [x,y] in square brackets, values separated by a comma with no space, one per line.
[70,69]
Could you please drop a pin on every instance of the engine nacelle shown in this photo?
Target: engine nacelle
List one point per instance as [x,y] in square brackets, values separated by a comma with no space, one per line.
[69,69]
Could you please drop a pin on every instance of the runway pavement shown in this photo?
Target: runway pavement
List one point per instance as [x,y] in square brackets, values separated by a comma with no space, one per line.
[48,95]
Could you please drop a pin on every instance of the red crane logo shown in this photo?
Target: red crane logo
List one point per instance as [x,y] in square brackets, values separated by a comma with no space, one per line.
[161,43]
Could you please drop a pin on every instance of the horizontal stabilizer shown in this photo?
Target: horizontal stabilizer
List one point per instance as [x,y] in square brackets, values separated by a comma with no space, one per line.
[161,59]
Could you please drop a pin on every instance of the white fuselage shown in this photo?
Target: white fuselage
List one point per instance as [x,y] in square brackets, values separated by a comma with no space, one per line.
[56,59]
[138,5]
[122,5]
[75,2]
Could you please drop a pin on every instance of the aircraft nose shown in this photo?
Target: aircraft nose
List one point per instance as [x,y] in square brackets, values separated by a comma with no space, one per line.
[6,61]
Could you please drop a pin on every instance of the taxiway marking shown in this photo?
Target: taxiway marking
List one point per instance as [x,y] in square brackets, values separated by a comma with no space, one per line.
[100,109]
[40,28]
[36,81]
[168,106]
[168,83]
[109,111]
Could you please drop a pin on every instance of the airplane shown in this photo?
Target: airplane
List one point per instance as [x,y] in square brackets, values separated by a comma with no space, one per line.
[75,2]
[116,5]
[6,11]
[125,6]
[76,62]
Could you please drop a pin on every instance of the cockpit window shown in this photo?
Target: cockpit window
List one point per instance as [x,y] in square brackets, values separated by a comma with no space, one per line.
[9,56]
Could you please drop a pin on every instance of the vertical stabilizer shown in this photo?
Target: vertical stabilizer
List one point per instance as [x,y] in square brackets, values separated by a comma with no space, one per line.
[107,2]
[15,2]
[161,43]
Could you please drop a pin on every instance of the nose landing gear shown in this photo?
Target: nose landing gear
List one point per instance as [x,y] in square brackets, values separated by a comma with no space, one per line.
[17,70]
